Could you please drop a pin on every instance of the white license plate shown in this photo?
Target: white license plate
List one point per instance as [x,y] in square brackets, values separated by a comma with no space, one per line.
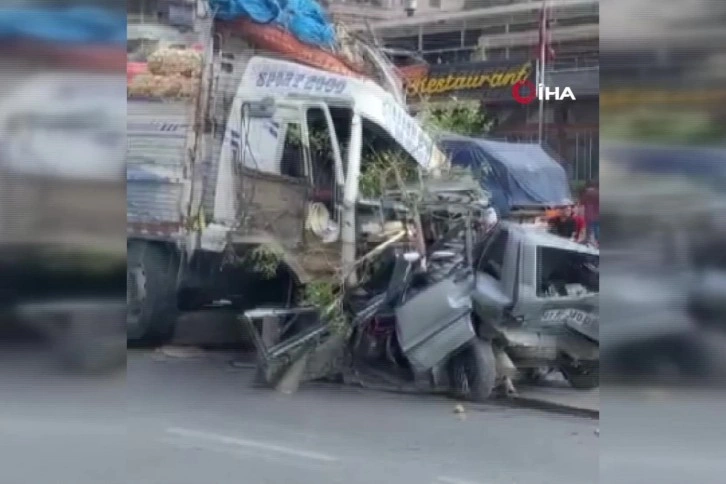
[572,316]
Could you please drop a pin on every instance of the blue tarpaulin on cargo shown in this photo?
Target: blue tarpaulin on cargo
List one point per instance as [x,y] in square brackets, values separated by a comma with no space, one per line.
[305,19]
[515,174]
[78,25]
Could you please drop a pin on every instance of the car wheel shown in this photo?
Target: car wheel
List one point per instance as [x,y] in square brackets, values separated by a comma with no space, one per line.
[473,372]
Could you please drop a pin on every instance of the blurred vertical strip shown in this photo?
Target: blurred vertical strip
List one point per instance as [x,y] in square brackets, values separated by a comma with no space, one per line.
[62,177]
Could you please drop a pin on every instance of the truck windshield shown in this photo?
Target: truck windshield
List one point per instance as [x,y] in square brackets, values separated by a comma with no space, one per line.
[563,273]
[380,154]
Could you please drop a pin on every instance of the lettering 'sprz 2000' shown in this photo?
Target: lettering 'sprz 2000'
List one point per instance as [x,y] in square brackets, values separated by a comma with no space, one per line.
[304,82]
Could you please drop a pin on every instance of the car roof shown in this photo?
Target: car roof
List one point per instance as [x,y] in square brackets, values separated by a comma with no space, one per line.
[546,239]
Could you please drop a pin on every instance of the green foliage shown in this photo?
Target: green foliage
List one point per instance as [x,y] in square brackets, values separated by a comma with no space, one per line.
[265,259]
[459,117]
[380,171]
[327,296]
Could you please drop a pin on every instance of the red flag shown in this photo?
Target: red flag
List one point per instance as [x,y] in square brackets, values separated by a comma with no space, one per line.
[543,46]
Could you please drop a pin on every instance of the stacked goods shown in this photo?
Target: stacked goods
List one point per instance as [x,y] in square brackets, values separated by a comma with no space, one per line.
[170,62]
[172,73]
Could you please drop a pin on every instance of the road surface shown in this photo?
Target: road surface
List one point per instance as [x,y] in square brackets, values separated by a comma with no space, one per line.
[184,420]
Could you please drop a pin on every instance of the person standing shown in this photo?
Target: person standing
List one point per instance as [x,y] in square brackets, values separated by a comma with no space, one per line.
[580,224]
[591,203]
[566,224]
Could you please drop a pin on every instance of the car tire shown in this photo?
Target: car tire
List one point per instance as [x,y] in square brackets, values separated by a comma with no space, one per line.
[151,286]
[473,372]
[585,377]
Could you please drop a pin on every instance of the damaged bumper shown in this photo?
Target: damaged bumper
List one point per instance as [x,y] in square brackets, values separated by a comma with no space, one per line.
[541,349]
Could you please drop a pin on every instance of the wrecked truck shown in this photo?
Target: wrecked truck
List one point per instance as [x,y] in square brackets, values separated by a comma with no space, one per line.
[409,326]
[248,189]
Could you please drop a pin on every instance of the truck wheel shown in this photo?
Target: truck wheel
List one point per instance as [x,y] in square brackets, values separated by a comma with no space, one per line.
[473,372]
[584,377]
[150,292]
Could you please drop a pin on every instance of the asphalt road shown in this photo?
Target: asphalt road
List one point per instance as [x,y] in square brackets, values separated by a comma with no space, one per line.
[191,420]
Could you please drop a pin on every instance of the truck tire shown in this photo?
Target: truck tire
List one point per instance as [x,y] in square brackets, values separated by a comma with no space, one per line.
[150,292]
[473,372]
[582,377]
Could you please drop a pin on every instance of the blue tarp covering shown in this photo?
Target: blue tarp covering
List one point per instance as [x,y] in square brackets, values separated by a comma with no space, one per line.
[78,25]
[515,174]
[305,19]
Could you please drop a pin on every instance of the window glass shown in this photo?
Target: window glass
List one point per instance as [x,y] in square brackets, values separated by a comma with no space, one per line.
[564,273]
[379,152]
[292,161]
[322,155]
[493,259]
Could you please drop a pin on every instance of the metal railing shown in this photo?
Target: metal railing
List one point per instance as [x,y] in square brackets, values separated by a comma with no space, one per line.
[454,55]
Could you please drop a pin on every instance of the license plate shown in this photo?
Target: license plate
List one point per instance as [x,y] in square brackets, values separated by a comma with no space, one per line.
[571,316]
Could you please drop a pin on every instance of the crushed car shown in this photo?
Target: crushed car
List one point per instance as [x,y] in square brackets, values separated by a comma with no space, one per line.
[454,318]
[536,299]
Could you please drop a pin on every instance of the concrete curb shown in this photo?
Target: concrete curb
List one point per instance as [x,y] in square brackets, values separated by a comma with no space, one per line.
[517,402]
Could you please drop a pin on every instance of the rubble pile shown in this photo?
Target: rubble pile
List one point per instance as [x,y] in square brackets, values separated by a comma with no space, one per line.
[172,73]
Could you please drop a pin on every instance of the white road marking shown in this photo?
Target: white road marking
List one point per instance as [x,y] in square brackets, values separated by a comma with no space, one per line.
[453,480]
[246,453]
[248,443]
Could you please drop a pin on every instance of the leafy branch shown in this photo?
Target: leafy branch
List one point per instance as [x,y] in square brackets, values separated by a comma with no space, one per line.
[459,117]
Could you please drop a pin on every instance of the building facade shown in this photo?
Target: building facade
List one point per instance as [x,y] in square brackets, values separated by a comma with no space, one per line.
[476,49]
[179,13]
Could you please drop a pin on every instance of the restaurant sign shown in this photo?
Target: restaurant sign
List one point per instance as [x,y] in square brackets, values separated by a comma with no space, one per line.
[485,80]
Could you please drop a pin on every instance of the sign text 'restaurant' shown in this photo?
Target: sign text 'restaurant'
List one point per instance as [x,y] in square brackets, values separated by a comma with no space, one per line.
[477,76]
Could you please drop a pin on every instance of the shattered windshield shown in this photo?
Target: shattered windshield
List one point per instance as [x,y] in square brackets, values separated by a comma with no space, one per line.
[563,273]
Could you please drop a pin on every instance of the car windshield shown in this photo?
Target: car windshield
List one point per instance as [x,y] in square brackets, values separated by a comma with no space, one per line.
[563,273]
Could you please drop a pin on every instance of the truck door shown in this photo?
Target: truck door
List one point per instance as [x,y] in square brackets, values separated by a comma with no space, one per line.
[273,174]
[491,297]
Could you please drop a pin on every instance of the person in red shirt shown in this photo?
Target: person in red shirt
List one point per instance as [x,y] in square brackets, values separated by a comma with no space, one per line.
[569,224]
[591,204]
[580,224]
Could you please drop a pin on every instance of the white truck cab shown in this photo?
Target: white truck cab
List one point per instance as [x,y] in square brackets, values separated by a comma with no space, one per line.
[277,163]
